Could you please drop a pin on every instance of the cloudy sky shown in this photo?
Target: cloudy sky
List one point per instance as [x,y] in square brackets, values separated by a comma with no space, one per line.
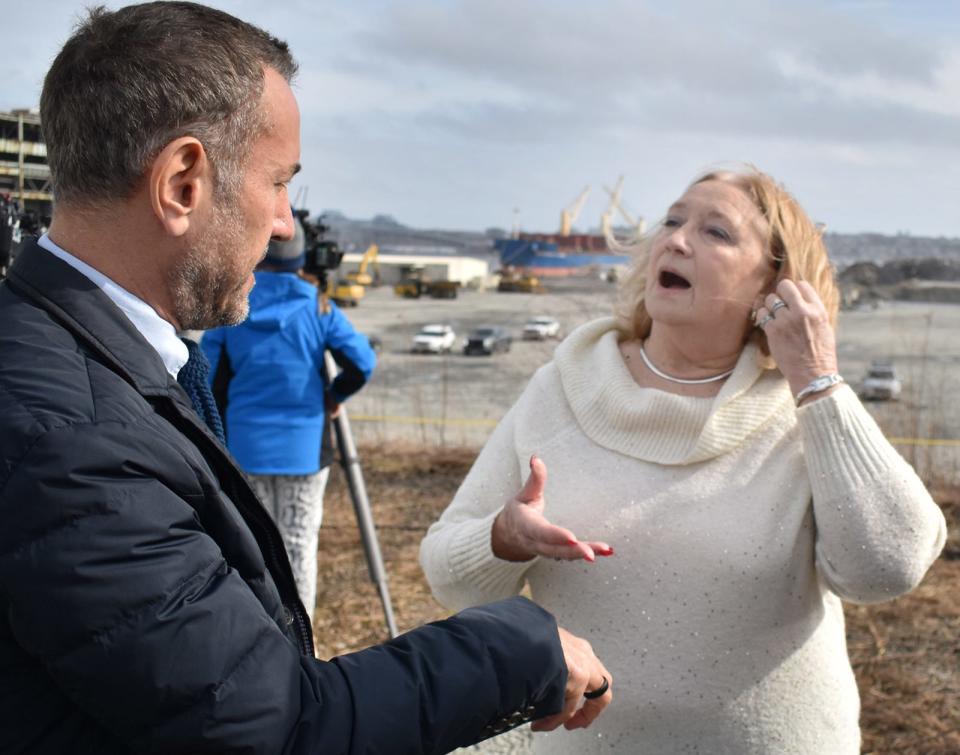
[454,113]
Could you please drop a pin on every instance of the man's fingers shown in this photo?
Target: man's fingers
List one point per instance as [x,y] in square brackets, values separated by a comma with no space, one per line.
[581,718]
[548,724]
[591,708]
[588,713]
[533,488]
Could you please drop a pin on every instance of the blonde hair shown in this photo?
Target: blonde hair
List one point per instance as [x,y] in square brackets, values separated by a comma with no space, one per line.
[794,246]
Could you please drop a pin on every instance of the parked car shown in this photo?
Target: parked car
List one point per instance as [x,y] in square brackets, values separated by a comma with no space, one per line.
[433,339]
[541,328]
[487,340]
[881,383]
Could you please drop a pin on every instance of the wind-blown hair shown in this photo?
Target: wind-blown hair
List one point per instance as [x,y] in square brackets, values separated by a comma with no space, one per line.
[128,82]
[794,246]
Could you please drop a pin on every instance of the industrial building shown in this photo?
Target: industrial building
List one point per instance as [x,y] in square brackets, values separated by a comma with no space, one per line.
[24,174]
[467,271]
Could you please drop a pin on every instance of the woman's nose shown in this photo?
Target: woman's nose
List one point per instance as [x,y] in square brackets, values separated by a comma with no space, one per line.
[677,241]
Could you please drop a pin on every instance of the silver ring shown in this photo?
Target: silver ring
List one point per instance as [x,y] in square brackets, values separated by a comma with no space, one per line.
[778,304]
[765,319]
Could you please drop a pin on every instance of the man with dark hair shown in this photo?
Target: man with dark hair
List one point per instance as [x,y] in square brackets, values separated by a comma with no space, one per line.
[146,603]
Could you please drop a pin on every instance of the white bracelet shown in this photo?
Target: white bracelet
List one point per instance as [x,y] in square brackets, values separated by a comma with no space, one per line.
[819,384]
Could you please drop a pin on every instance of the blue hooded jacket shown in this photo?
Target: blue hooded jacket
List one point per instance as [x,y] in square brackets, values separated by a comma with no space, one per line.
[267,374]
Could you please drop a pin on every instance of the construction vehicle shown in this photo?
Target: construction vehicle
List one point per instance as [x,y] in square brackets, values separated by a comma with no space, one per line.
[361,276]
[415,284]
[344,293]
[520,281]
[568,215]
[445,289]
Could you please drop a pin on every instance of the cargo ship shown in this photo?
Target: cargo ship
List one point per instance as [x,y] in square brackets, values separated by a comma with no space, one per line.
[565,252]
[552,255]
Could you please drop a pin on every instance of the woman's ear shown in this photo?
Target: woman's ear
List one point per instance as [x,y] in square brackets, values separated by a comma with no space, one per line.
[180,183]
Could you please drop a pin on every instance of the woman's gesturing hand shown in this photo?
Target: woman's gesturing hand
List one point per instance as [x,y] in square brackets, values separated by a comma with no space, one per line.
[799,333]
[521,531]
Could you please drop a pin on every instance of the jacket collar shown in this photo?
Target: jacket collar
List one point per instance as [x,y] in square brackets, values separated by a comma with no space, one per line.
[90,314]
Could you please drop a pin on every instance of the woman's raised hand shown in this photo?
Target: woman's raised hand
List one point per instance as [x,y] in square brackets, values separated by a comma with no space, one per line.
[521,531]
[799,333]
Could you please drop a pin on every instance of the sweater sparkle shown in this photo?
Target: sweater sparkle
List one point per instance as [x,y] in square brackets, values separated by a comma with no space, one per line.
[739,522]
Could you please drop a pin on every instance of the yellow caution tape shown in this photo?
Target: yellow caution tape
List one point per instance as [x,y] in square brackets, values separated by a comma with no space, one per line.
[426,420]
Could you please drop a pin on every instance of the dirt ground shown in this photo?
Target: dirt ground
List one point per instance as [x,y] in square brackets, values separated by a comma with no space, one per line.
[906,653]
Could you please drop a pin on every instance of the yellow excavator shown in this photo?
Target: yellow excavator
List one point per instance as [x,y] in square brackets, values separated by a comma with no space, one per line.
[361,276]
[344,293]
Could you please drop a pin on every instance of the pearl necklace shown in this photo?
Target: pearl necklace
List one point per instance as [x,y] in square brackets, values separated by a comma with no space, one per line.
[682,381]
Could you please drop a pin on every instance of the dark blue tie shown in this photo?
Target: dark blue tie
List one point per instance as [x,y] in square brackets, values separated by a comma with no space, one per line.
[193,377]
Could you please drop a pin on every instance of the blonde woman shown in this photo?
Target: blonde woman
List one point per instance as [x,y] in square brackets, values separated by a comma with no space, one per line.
[705,435]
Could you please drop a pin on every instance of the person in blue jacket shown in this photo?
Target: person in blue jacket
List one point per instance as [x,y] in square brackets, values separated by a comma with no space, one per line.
[271,387]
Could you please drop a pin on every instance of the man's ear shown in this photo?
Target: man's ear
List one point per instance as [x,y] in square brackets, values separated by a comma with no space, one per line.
[180,183]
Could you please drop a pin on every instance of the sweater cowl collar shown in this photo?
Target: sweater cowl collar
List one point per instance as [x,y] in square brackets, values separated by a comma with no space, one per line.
[656,426]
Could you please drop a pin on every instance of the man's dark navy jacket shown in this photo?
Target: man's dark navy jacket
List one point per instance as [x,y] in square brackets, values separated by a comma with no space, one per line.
[146,603]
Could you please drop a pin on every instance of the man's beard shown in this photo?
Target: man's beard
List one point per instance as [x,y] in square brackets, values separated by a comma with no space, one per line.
[208,285]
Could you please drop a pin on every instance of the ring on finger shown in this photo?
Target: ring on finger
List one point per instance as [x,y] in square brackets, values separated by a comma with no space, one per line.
[599,691]
[778,304]
[761,323]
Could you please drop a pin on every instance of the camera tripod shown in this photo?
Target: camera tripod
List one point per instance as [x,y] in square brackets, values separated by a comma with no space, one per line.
[350,461]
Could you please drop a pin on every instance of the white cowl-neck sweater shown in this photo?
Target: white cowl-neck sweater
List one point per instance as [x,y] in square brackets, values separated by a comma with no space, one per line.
[738,523]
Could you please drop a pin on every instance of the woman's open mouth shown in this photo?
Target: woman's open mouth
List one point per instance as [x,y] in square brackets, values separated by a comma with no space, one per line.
[671,280]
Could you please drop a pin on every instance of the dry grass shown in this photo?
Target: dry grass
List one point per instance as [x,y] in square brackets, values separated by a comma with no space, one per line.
[906,654]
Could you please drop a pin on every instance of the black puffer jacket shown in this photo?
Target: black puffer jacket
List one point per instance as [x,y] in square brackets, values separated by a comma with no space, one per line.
[146,603]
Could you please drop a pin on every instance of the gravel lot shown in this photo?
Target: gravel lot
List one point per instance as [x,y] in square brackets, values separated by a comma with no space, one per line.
[455,400]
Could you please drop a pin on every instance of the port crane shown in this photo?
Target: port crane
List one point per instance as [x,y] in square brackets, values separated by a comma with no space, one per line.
[606,220]
[569,214]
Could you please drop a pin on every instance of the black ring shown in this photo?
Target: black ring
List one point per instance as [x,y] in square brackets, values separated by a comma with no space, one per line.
[599,691]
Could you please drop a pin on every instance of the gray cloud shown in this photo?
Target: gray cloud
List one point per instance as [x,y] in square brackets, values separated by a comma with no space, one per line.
[553,46]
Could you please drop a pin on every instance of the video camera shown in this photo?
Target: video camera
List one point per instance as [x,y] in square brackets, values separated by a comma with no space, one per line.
[321,255]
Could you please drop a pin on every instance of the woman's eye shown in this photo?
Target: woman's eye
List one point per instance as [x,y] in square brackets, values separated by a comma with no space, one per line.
[719,233]
[671,223]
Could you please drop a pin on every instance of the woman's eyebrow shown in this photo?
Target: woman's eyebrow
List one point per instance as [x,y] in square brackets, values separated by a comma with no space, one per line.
[719,214]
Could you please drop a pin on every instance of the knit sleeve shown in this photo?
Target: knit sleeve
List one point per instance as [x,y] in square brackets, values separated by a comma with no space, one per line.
[456,554]
[878,529]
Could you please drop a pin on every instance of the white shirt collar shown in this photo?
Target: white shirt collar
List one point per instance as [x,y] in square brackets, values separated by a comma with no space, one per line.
[159,333]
